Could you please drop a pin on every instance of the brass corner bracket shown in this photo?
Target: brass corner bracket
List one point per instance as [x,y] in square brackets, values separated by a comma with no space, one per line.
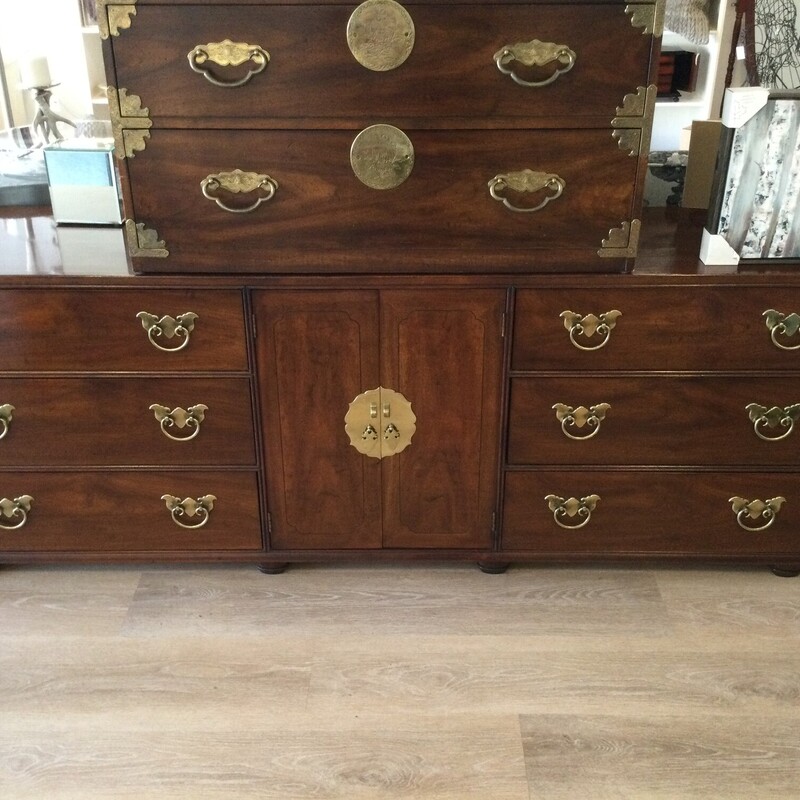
[622,242]
[112,17]
[130,122]
[144,241]
[649,17]
[633,124]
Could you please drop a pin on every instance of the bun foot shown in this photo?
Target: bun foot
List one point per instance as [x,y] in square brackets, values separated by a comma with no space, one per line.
[786,572]
[493,567]
[273,568]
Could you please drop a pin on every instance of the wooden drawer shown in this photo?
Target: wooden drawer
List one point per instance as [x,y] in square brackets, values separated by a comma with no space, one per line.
[122,512]
[652,420]
[98,330]
[691,327]
[108,421]
[647,513]
[322,218]
[451,71]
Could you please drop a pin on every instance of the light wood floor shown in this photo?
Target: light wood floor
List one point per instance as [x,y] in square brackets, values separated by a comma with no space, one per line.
[427,682]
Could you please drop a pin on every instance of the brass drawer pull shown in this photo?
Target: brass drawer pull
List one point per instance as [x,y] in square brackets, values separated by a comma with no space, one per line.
[573,507]
[782,325]
[527,181]
[535,54]
[190,508]
[6,414]
[771,418]
[756,510]
[227,54]
[16,509]
[239,182]
[590,325]
[180,418]
[579,417]
[168,327]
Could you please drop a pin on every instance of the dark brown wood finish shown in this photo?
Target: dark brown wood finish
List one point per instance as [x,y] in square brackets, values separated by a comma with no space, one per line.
[323,219]
[313,75]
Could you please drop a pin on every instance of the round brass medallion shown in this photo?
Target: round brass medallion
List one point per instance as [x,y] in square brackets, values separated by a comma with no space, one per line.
[382,156]
[380,34]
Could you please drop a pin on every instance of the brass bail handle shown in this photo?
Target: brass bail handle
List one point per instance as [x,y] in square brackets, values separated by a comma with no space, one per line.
[13,510]
[168,327]
[756,510]
[589,326]
[579,509]
[6,415]
[262,186]
[775,418]
[782,325]
[227,54]
[548,184]
[198,510]
[535,54]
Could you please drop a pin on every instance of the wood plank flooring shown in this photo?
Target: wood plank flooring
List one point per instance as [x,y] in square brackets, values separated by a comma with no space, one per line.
[431,682]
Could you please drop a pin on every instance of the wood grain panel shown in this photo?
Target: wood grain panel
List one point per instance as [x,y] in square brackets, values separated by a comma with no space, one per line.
[108,421]
[323,219]
[95,330]
[311,73]
[663,420]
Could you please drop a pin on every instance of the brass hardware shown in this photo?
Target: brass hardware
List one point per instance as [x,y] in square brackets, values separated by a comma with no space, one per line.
[648,17]
[189,507]
[526,181]
[227,54]
[113,17]
[535,54]
[590,325]
[238,182]
[17,508]
[398,417]
[180,418]
[144,241]
[756,510]
[782,325]
[130,122]
[573,507]
[633,124]
[580,417]
[771,418]
[168,327]
[380,35]
[6,413]
[382,156]
[622,242]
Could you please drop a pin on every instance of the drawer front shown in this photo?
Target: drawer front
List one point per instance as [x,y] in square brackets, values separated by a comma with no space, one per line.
[654,420]
[99,330]
[111,421]
[666,328]
[122,512]
[321,217]
[641,513]
[311,73]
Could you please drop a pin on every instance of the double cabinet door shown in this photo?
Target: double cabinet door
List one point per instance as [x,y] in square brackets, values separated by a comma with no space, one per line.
[418,375]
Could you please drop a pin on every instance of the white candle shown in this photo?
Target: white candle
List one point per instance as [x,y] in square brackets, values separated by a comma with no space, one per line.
[35,73]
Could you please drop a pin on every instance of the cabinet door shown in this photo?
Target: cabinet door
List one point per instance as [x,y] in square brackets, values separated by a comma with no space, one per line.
[316,351]
[442,349]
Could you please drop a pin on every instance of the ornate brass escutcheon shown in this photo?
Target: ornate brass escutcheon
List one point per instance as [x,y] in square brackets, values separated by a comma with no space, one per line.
[535,54]
[382,156]
[189,508]
[590,325]
[579,418]
[180,419]
[756,510]
[395,427]
[15,510]
[168,327]
[227,54]
[764,418]
[380,35]
[6,415]
[784,325]
[572,508]
[546,184]
[239,182]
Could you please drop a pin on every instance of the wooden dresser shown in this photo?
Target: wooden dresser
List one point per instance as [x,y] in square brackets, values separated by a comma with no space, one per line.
[395,311]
